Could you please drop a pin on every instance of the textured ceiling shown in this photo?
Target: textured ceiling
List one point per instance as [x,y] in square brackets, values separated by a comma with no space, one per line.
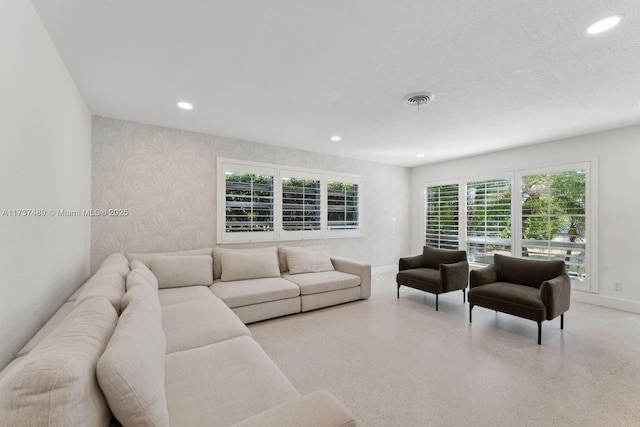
[295,72]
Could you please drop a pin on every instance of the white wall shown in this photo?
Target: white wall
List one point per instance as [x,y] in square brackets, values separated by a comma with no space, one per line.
[166,178]
[45,163]
[617,152]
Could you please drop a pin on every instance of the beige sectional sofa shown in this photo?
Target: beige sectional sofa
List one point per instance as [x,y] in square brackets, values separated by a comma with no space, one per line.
[151,340]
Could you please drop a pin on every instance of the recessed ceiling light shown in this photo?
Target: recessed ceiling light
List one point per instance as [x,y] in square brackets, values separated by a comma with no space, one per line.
[185,105]
[336,138]
[604,24]
[420,155]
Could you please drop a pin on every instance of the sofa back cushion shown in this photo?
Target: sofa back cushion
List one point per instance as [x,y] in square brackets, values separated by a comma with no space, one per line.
[526,271]
[217,257]
[116,262]
[302,260]
[106,283]
[141,269]
[186,270]
[433,257]
[282,254]
[131,370]
[244,265]
[55,384]
[146,258]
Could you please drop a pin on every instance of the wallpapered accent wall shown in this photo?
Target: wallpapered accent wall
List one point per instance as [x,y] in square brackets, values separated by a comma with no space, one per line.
[166,180]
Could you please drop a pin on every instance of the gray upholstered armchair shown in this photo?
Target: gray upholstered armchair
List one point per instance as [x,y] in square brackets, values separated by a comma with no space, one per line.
[535,290]
[435,271]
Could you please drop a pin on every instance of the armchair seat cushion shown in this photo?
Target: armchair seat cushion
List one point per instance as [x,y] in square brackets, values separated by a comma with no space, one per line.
[427,279]
[518,300]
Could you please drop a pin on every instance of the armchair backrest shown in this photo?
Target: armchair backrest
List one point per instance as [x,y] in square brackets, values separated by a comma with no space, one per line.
[433,257]
[526,271]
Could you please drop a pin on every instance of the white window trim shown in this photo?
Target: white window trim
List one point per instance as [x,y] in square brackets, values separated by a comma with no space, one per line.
[278,172]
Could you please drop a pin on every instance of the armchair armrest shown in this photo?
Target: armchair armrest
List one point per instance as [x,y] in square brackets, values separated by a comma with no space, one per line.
[410,262]
[556,295]
[317,409]
[455,275]
[361,269]
[483,276]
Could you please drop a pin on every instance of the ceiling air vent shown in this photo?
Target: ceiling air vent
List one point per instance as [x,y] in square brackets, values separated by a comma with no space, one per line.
[418,99]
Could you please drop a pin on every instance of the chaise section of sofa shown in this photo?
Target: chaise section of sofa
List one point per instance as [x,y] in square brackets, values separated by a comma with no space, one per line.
[216,374]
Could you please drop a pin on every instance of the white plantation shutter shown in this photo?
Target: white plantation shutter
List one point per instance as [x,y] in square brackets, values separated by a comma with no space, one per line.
[343,206]
[488,219]
[249,208]
[301,204]
[442,216]
[267,202]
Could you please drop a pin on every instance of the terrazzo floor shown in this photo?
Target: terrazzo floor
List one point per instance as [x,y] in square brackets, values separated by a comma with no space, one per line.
[398,362]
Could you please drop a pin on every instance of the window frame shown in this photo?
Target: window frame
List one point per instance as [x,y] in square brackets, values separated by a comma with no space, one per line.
[279,171]
[589,283]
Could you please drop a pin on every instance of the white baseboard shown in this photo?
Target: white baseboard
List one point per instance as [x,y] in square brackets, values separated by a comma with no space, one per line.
[384,269]
[615,303]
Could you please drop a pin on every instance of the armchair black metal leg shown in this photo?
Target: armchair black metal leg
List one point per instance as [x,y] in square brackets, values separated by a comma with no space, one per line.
[464,296]
[470,308]
[436,302]
[562,321]
[398,290]
[539,333]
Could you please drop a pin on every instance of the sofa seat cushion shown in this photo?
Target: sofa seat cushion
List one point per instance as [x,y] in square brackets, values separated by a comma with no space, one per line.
[222,384]
[199,322]
[420,278]
[326,281]
[254,291]
[519,300]
[55,384]
[178,295]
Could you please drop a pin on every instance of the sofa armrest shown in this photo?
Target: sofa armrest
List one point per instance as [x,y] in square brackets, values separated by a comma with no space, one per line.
[556,295]
[483,276]
[410,262]
[317,409]
[361,269]
[454,276]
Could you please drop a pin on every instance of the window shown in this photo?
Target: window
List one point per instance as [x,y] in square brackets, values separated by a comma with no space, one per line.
[301,203]
[545,213]
[488,219]
[265,202]
[342,206]
[442,216]
[554,217]
[249,203]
